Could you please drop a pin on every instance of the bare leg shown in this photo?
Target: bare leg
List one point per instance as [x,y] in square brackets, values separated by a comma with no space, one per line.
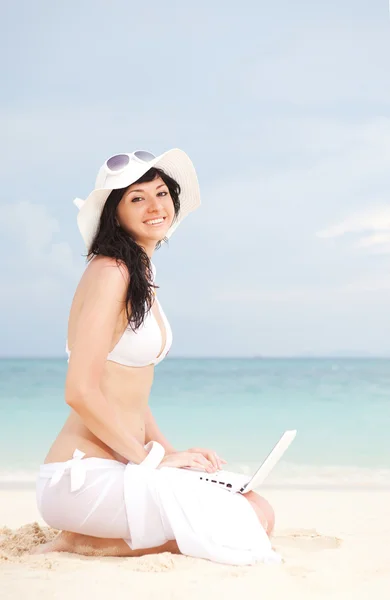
[263,509]
[93,546]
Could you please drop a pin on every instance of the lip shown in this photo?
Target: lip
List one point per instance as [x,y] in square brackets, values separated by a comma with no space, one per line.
[154,218]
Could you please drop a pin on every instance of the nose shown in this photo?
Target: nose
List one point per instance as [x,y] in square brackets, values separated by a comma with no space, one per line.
[154,204]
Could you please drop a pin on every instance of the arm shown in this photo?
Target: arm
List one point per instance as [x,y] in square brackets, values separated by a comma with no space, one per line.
[104,300]
[152,432]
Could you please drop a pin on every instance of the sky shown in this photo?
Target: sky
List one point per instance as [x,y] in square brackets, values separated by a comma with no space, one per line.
[284,109]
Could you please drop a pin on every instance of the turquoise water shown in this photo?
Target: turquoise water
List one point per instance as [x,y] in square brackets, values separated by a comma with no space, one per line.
[239,407]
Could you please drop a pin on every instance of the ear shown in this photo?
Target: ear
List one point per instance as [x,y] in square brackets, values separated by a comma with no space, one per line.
[78,202]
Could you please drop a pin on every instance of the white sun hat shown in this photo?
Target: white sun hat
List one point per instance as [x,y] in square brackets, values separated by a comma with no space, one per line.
[121,170]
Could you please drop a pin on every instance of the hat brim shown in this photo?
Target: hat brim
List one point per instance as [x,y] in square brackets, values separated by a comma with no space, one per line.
[175,163]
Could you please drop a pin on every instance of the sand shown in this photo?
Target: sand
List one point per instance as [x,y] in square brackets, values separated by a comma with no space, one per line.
[335,545]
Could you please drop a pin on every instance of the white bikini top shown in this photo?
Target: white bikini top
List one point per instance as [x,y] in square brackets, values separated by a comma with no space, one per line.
[142,347]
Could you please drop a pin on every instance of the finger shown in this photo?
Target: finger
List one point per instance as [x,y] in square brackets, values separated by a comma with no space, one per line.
[196,464]
[221,461]
[208,466]
[210,456]
[199,459]
[219,464]
[214,460]
[203,459]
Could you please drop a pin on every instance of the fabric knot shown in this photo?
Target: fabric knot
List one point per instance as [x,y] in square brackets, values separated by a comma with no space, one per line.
[77,471]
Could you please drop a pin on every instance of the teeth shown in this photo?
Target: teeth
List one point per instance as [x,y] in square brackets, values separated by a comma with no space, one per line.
[154,222]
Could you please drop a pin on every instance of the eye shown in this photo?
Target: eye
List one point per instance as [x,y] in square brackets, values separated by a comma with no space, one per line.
[140,198]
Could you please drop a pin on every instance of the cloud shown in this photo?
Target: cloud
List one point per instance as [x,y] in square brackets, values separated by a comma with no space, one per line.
[37,265]
[372,240]
[31,224]
[379,243]
[374,219]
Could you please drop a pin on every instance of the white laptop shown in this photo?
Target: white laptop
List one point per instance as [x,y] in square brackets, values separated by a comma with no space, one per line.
[238,482]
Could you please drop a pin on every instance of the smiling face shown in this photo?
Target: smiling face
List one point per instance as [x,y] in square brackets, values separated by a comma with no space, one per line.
[146,212]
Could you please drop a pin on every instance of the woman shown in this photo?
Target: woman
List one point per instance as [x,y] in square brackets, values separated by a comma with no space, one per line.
[117,333]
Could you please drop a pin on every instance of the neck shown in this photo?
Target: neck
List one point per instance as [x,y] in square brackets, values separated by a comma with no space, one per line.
[149,248]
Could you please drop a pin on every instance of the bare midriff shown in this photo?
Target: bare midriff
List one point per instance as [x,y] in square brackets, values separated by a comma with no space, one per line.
[126,388]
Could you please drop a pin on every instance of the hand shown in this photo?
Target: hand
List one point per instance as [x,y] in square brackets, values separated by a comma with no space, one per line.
[211,456]
[188,458]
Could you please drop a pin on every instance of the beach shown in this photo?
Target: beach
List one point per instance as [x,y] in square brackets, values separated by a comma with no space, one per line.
[330,492]
[334,544]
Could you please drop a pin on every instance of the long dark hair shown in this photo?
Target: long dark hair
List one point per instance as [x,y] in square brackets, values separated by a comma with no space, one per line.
[112,240]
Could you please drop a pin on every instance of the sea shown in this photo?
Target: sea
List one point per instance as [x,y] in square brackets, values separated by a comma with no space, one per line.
[238,407]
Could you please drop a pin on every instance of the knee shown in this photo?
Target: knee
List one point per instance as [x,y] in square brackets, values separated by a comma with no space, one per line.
[264,511]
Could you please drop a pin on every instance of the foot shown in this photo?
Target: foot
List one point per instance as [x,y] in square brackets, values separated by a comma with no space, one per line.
[62,543]
[77,543]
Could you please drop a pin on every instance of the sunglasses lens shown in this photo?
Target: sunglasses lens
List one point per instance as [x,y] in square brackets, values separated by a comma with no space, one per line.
[117,162]
[144,155]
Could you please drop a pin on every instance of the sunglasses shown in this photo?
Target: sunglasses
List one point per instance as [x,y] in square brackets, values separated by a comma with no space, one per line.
[118,162]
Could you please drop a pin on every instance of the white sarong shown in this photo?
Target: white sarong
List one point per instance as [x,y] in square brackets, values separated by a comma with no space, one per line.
[148,507]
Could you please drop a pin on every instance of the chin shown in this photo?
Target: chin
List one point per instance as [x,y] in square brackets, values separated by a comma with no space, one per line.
[154,236]
[158,233]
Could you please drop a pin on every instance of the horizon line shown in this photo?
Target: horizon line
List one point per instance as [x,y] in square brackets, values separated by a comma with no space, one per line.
[229,357]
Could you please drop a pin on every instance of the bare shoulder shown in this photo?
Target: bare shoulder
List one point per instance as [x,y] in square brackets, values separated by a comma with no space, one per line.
[105,277]
[101,291]
[93,325]
[108,269]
